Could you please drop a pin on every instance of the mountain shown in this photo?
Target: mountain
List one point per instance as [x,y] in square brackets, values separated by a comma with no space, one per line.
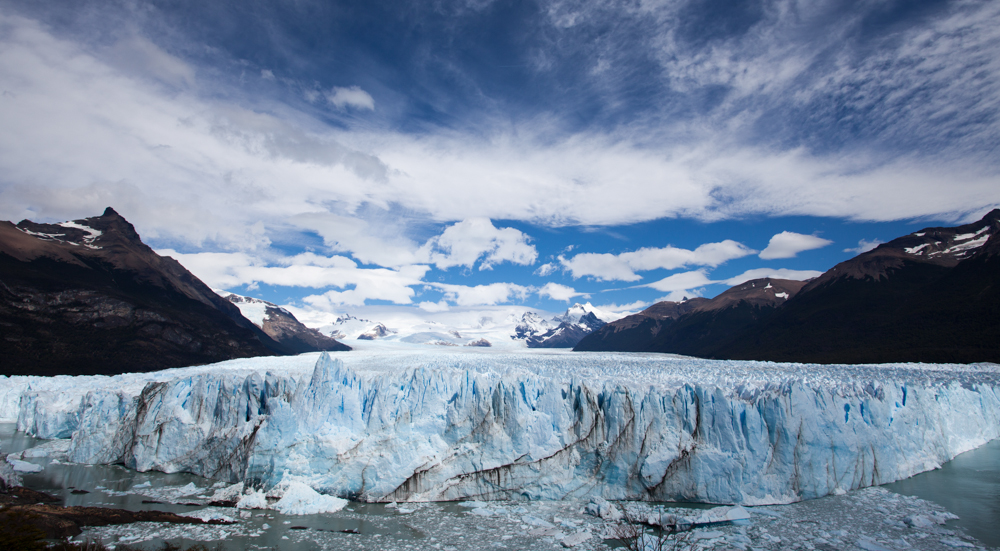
[930,296]
[281,325]
[636,332]
[88,297]
[565,330]
[694,327]
[714,322]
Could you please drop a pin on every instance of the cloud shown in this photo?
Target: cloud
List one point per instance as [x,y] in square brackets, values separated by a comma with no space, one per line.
[439,306]
[266,74]
[85,129]
[482,295]
[685,281]
[351,97]
[546,269]
[622,267]
[864,246]
[781,273]
[556,291]
[227,270]
[465,243]
[788,244]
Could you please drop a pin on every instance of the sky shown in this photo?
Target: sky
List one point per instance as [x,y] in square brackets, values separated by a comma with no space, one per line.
[447,155]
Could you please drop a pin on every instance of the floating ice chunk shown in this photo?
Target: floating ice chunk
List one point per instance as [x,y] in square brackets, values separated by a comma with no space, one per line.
[209,514]
[721,514]
[255,499]
[600,507]
[573,540]
[300,499]
[535,521]
[23,466]
[707,535]
[229,493]
[955,542]
[869,544]
[52,448]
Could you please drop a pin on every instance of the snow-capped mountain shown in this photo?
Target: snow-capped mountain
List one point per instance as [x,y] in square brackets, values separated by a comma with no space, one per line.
[348,327]
[281,325]
[564,330]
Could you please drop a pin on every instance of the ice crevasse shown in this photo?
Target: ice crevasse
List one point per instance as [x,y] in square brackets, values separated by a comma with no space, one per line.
[443,427]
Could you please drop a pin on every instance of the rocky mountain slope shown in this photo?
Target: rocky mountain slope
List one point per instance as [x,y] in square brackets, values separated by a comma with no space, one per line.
[282,326]
[930,296]
[88,297]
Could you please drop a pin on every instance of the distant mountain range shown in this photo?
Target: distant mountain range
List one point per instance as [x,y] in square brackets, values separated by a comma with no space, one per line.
[563,331]
[281,325]
[88,297]
[930,296]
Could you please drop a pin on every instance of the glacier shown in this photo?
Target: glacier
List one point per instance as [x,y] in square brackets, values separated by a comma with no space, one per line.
[411,423]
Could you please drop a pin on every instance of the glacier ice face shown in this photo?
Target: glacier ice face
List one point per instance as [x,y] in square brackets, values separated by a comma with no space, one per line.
[396,425]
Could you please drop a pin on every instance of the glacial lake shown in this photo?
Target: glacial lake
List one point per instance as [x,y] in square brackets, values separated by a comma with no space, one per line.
[968,486]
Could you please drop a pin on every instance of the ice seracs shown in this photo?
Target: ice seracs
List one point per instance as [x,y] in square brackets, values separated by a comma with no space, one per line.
[430,424]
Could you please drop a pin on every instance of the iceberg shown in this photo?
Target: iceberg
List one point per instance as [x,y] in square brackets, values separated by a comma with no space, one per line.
[417,425]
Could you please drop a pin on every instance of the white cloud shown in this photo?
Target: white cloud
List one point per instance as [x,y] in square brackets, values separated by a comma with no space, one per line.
[351,97]
[781,273]
[465,243]
[788,244]
[439,306]
[266,74]
[85,129]
[482,295]
[622,267]
[685,281]
[600,266]
[864,246]
[227,270]
[546,269]
[556,291]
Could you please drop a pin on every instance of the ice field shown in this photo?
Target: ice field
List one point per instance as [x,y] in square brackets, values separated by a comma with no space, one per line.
[417,423]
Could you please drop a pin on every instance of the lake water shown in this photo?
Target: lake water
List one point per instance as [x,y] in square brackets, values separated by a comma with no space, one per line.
[968,486]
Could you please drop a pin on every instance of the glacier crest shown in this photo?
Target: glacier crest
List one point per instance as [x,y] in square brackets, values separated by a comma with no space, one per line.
[449,431]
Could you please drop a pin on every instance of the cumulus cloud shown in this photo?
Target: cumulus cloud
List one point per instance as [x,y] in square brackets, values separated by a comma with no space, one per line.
[864,246]
[556,291]
[351,97]
[682,282]
[465,243]
[439,306]
[227,270]
[482,295]
[622,267]
[788,244]
[780,273]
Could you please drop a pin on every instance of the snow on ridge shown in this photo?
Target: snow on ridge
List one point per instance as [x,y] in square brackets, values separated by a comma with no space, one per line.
[393,422]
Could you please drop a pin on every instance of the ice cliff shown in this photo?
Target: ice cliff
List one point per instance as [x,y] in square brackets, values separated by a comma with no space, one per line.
[449,425]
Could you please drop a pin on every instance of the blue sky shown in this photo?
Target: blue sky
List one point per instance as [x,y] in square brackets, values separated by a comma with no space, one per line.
[447,155]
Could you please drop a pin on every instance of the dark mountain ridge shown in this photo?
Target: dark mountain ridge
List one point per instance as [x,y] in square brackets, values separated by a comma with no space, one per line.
[929,296]
[89,297]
